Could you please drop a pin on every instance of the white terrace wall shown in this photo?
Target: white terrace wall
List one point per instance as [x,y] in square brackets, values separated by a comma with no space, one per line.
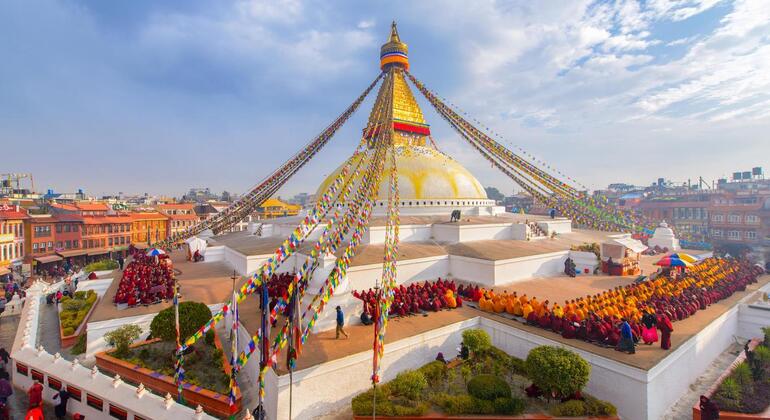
[330,386]
[751,319]
[30,364]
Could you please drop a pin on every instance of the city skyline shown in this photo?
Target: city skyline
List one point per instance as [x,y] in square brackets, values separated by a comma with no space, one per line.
[159,98]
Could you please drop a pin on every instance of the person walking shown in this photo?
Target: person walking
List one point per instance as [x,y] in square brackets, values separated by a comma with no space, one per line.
[340,323]
[35,394]
[61,399]
[6,390]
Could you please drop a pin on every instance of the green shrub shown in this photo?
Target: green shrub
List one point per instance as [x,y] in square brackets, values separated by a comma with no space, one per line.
[192,316]
[459,404]
[597,407]
[409,384]
[80,295]
[477,340]
[761,364]
[73,305]
[435,372]
[766,331]
[742,375]
[121,338]
[488,387]
[557,369]
[68,331]
[518,366]
[362,403]
[729,395]
[571,408]
[509,406]
[101,265]
[80,345]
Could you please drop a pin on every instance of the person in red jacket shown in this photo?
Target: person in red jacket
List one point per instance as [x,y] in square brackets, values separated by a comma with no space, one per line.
[35,394]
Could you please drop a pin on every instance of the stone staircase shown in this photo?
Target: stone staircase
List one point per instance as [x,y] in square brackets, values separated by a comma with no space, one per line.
[536,232]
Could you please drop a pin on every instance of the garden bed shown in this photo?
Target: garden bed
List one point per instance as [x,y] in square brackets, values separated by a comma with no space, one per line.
[743,390]
[486,383]
[73,314]
[151,363]
[101,265]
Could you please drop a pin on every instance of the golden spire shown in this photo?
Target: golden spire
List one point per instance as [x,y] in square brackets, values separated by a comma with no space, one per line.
[394,52]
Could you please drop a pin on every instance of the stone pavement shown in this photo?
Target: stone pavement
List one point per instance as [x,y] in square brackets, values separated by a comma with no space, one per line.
[48,331]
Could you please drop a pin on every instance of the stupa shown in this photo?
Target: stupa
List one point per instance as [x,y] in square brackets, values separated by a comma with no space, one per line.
[664,238]
[429,181]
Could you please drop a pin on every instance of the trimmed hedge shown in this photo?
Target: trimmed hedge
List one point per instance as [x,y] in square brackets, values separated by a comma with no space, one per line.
[75,310]
[408,384]
[466,405]
[571,408]
[434,372]
[488,387]
[477,340]
[589,406]
[192,316]
[362,404]
[101,265]
[557,369]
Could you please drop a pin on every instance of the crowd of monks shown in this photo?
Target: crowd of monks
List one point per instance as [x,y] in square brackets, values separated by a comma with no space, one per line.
[146,280]
[647,306]
[416,298]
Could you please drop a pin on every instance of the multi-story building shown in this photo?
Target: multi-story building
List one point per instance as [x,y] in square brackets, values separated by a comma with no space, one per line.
[104,235]
[51,239]
[273,207]
[11,237]
[148,228]
[740,220]
[687,212]
[83,208]
[181,216]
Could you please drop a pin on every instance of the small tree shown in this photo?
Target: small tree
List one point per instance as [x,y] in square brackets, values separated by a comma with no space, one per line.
[121,338]
[192,316]
[477,340]
[557,370]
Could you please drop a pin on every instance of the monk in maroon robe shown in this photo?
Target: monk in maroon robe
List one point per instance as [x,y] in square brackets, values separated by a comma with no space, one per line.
[664,324]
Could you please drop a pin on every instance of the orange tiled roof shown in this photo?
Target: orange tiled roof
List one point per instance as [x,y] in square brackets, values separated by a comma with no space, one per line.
[148,216]
[176,206]
[92,206]
[98,220]
[10,213]
[62,206]
[183,216]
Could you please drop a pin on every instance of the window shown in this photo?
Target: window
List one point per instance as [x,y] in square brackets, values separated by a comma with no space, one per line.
[58,228]
[38,375]
[752,219]
[67,228]
[50,244]
[59,245]
[94,402]
[54,383]
[75,393]
[68,244]
[118,412]
[110,242]
[733,234]
[751,234]
[22,369]
[716,233]
[34,247]
[718,217]
[75,243]
[734,218]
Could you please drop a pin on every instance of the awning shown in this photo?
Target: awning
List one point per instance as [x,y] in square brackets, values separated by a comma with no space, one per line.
[4,271]
[73,253]
[141,245]
[630,243]
[98,251]
[48,259]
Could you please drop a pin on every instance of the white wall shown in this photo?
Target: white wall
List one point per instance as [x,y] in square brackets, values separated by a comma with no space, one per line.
[314,393]
[484,232]
[559,225]
[98,286]
[751,320]
[542,265]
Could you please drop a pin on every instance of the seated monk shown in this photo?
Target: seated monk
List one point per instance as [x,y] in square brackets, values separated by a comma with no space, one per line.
[517,308]
[498,305]
[526,309]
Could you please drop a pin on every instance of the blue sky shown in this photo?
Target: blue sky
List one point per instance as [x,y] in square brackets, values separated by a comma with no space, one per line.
[145,96]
